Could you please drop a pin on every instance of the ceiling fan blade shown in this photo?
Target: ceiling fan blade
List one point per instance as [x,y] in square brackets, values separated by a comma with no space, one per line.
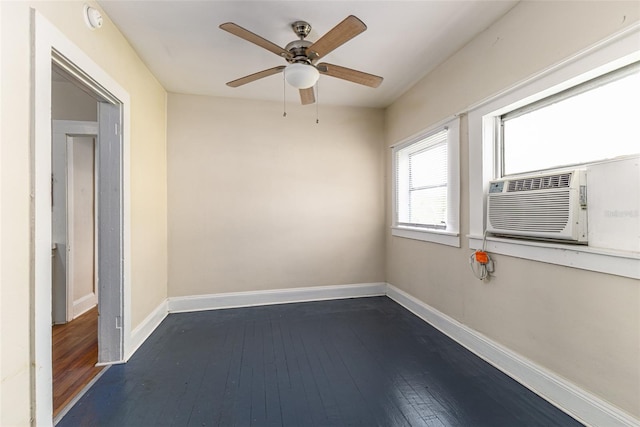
[307,96]
[256,76]
[337,36]
[354,76]
[237,30]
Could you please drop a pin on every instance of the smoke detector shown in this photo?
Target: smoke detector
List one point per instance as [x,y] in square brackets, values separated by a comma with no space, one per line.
[92,17]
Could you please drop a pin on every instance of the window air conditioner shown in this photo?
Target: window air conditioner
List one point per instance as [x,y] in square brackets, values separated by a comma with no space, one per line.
[540,207]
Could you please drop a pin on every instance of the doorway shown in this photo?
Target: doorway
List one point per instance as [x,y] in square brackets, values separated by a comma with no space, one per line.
[85,212]
[52,48]
[73,213]
[74,242]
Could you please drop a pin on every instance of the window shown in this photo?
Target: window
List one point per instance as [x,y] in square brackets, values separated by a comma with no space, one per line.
[593,121]
[421,187]
[426,195]
[610,163]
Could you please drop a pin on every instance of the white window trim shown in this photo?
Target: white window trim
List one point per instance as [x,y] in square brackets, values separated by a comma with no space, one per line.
[614,52]
[450,236]
[623,264]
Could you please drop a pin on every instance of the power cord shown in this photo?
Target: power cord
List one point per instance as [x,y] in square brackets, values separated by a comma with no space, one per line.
[480,262]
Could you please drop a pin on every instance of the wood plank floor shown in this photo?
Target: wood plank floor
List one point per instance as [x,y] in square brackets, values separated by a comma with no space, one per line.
[75,354]
[365,361]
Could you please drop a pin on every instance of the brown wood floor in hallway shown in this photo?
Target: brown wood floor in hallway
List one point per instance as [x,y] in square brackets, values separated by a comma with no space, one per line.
[75,354]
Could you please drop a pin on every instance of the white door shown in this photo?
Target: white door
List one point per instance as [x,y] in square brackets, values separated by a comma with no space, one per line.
[74,273]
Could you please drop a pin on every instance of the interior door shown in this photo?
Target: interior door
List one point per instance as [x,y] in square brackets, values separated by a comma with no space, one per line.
[81,223]
[110,233]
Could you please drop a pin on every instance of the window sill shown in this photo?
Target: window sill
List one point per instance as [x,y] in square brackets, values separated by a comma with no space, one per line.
[434,236]
[625,264]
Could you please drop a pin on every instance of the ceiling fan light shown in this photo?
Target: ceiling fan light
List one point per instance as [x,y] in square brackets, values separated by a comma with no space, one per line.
[301,76]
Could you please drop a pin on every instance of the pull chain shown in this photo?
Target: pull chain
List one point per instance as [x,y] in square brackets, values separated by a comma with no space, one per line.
[317,100]
[284,94]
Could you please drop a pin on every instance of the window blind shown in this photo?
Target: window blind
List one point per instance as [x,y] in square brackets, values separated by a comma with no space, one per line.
[421,182]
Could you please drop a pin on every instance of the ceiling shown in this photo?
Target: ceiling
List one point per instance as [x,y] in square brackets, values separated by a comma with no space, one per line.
[183,47]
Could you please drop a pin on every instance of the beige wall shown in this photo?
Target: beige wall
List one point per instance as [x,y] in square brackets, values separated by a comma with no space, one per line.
[108,48]
[68,102]
[581,325]
[311,212]
[258,201]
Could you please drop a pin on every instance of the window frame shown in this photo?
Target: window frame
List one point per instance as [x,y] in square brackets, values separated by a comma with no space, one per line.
[576,90]
[612,53]
[450,235]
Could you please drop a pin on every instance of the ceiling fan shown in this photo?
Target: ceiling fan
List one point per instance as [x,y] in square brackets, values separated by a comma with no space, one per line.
[302,55]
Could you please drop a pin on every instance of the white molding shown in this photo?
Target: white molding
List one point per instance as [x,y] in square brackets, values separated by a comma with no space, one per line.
[276,296]
[441,237]
[84,304]
[578,403]
[141,332]
[450,236]
[245,299]
[45,38]
[571,399]
[602,45]
[42,393]
[576,256]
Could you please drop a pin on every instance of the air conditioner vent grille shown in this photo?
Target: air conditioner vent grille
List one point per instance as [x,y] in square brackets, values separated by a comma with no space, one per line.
[540,182]
[547,212]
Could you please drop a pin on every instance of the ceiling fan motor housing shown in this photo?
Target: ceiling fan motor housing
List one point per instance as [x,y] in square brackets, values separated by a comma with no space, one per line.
[298,50]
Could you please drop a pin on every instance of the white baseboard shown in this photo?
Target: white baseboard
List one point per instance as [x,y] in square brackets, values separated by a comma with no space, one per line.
[578,403]
[140,334]
[245,299]
[84,304]
[276,296]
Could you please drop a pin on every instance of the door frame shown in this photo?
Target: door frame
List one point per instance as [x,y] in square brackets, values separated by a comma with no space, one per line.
[50,44]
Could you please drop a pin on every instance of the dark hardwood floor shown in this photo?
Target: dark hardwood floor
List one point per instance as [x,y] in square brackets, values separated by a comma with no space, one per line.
[75,354]
[365,361]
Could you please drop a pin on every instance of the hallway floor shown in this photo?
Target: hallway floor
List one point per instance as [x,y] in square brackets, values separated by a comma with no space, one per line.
[75,354]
